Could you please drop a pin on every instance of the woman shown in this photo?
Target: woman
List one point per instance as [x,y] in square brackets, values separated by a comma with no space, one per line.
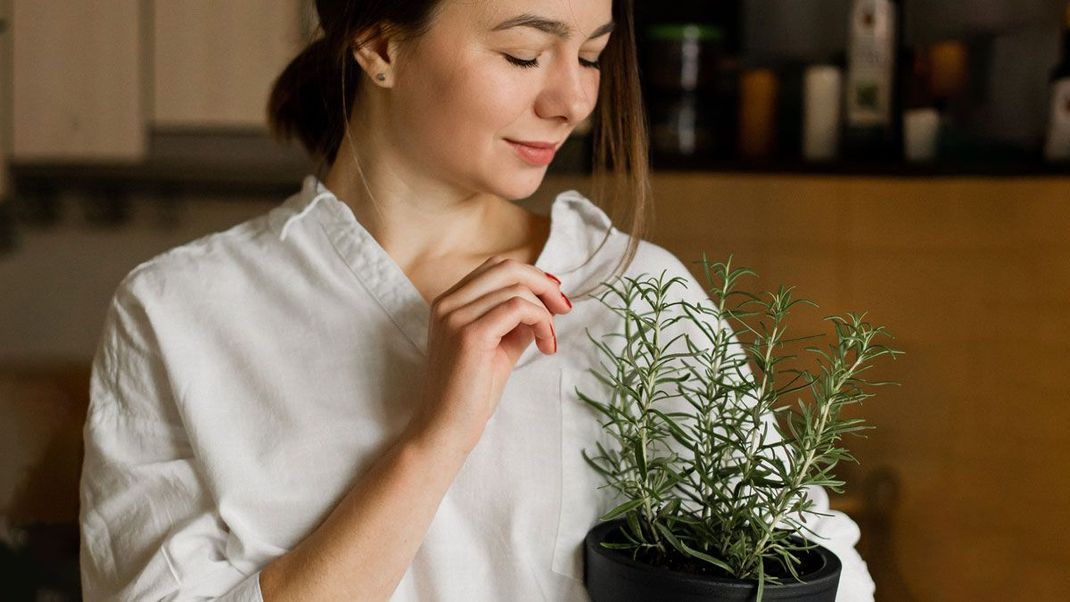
[340,399]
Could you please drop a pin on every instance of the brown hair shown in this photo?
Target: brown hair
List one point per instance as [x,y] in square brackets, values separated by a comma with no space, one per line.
[313,97]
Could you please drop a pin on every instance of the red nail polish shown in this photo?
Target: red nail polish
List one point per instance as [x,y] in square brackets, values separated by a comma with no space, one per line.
[566,300]
[552,277]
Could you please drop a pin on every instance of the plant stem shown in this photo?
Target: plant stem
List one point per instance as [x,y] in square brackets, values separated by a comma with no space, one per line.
[781,501]
[648,386]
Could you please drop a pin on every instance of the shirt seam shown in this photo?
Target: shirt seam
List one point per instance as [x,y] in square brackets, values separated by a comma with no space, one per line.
[369,291]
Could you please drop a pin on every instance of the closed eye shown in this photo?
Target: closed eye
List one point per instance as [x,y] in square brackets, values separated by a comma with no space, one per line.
[535,62]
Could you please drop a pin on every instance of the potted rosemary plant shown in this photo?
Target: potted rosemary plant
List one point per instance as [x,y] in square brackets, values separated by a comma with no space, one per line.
[713,459]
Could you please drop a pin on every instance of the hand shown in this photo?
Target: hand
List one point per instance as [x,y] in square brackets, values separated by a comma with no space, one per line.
[477,331]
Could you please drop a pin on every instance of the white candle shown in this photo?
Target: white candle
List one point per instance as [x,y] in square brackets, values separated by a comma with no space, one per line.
[920,129]
[821,119]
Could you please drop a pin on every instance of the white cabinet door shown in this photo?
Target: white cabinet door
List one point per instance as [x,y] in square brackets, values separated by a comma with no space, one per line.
[215,62]
[78,80]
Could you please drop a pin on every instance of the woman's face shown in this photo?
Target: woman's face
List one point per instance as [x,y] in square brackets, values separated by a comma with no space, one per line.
[461,94]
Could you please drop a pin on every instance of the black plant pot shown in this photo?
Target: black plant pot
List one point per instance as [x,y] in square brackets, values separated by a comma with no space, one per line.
[613,576]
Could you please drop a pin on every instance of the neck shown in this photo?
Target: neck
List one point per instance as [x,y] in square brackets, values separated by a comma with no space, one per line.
[413,217]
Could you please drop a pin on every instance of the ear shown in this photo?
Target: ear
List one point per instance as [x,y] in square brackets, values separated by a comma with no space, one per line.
[377,52]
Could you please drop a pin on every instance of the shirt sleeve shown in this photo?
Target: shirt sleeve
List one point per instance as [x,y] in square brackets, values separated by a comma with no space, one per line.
[837,532]
[149,527]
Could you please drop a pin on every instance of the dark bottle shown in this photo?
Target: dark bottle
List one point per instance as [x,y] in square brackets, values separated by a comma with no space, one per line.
[680,78]
[1058,142]
[688,68]
[872,124]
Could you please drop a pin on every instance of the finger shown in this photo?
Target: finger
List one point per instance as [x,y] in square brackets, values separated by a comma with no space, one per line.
[504,317]
[502,274]
[483,267]
[476,309]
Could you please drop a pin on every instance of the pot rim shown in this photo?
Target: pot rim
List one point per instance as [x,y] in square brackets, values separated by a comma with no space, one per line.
[829,571]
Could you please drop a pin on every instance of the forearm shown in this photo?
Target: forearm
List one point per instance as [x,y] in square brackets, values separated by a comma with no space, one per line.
[363,548]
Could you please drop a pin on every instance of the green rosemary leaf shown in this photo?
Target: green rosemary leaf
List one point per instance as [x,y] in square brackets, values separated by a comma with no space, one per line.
[621,509]
[684,549]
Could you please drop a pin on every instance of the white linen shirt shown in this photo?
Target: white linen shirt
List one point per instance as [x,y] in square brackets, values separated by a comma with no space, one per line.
[244,381]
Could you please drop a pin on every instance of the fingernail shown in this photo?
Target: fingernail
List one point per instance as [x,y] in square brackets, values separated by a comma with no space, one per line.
[566,300]
[552,277]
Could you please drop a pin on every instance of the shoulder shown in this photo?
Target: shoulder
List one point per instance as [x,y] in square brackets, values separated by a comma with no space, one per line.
[650,257]
[586,226]
[199,264]
[582,215]
[654,261]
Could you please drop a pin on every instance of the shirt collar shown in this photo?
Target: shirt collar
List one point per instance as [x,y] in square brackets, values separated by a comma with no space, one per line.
[571,212]
[578,227]
[297,206]
[574,251]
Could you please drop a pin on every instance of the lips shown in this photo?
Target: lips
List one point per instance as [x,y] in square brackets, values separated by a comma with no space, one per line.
[535,153]
[535,144]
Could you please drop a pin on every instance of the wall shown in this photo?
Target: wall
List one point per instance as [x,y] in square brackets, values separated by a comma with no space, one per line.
[964,487]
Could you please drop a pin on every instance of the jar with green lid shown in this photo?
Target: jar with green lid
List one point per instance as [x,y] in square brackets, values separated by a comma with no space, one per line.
[679,75]
[681,56]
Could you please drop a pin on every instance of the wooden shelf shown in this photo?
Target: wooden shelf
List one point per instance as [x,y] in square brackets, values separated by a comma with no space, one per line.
[247,163]
[181,161]
[863,169]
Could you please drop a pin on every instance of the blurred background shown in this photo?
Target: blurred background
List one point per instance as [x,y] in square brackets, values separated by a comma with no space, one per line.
[908,159]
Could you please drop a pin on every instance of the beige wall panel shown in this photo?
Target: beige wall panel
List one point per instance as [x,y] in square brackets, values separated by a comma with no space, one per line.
[77,80]
[215,61]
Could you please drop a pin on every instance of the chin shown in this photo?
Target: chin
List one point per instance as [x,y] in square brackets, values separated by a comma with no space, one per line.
[521,185]
[509,181]
[507,178]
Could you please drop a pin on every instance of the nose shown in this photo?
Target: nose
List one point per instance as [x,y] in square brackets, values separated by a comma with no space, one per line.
[570,92]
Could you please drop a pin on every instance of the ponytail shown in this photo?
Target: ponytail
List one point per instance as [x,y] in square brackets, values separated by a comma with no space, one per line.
[306,100]
[313,97]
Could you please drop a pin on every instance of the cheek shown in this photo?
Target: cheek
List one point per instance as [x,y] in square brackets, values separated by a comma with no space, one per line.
[506,96]
[467,108]
[484,101]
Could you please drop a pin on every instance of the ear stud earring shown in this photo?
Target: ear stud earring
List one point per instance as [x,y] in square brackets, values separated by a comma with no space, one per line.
[381,77]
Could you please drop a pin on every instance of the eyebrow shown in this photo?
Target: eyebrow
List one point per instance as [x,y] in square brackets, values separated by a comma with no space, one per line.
[557,28]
